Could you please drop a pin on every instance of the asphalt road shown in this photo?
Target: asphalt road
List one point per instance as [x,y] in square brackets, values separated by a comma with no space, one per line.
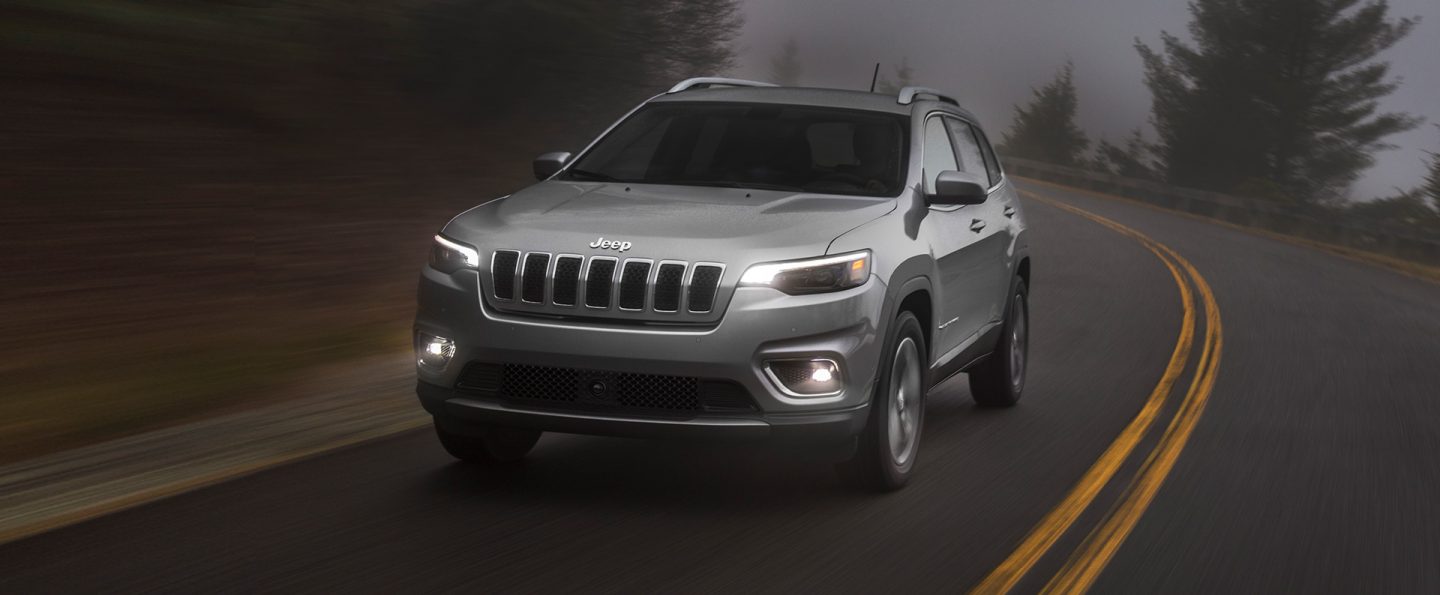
[1315,467]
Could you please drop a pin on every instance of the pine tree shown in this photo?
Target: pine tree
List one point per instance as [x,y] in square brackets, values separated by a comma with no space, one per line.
[1045,130]
[1275,97]
[1133,160]
[785,67]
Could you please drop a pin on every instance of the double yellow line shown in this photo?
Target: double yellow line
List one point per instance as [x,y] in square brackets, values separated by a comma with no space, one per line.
[1095,552]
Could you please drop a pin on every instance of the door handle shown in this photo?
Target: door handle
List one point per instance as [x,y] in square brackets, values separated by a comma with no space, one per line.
[976,225]
[1009,212]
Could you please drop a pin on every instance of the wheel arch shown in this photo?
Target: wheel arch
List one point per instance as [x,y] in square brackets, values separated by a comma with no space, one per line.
[914,295]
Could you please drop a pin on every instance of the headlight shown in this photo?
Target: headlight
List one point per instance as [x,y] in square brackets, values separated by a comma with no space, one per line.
[447,256]
[815,275]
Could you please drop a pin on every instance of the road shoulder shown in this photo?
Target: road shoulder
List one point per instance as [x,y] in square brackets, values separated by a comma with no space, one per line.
[336,407]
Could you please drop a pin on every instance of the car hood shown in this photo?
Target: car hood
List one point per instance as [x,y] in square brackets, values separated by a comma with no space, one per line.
[688,223]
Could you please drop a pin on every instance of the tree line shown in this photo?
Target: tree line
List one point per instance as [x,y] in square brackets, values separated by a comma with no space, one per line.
[1270,100]
[307,65]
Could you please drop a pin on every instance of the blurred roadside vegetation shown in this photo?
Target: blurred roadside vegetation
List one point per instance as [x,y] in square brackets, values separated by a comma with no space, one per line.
[202,200]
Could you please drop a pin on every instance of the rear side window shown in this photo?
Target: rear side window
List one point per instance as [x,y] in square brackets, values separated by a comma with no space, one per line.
[939,155]
[967,149]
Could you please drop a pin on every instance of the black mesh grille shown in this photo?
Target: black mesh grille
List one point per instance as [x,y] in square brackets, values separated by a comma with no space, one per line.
[653,391]
[584,388]
[598,283]
[724,396]
[632,285]
[667,287]
[567,280]
[503,275]
[532,282]
[540,383]
[702,287]
[478,377]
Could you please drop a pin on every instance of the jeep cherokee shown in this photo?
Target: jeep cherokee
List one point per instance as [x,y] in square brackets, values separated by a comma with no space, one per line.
[734,259]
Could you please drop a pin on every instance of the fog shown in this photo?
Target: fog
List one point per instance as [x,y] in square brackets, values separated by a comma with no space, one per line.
[991,53]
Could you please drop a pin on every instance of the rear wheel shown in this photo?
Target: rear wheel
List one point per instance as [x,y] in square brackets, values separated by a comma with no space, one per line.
[1000,379]
[885,456]
[487,444]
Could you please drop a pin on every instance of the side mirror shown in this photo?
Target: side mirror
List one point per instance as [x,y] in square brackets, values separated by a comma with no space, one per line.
[547,164]
[958,188]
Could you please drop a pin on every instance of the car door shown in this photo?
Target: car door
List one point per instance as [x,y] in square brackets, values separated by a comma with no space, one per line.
[960,254]
[1007,202]
[989,223]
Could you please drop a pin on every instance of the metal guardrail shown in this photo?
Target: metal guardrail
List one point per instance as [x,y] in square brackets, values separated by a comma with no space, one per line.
[1407,244]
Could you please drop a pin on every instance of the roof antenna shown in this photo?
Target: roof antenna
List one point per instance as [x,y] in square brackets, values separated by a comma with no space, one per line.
[874,76]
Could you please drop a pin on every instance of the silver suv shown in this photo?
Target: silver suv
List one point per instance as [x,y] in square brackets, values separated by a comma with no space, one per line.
[734,259]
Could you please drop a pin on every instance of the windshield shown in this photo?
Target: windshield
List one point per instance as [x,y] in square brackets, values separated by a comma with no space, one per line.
[770,147]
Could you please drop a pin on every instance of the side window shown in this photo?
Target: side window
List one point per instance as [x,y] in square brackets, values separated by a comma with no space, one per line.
[992,164]
[966,148]
[939,155]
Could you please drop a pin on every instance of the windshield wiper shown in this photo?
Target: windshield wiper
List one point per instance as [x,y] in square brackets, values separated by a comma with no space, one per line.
[593,176]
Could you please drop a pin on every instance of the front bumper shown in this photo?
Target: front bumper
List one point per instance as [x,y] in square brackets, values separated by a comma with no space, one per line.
[759,325]
[457,410]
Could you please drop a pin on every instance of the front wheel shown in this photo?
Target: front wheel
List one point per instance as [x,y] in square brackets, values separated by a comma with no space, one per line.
[885,457]
[1000,379]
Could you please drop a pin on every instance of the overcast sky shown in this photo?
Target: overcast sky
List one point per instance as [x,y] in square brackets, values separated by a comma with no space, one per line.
[990,53]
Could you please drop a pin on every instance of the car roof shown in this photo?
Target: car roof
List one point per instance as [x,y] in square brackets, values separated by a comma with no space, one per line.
[836,98]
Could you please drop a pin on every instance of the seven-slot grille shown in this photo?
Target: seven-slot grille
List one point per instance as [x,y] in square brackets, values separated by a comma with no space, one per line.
[605,282]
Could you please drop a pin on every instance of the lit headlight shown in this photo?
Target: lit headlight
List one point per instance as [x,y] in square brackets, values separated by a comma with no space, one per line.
[815,275]
[447,256]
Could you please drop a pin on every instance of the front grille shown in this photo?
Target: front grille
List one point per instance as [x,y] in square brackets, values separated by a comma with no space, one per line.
[539,383]
[503,267]
[591,389]
[532,283]
[598,282]
[633,281]
[605,283]
[653,391]
[567,280]
[703,283]
[668,280]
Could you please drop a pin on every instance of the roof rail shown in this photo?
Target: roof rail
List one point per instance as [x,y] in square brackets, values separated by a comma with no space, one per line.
[710,81]
[907,95]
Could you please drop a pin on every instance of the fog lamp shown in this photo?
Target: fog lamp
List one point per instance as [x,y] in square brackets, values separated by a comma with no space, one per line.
[434,352]
[805,377]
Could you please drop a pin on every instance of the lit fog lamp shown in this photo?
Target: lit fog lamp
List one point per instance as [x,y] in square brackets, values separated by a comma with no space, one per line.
[821,375]
[435,352]
[806,378]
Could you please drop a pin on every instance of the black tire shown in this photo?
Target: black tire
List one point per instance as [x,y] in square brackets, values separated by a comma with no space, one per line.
[488,445]
[999,381]
[876,465]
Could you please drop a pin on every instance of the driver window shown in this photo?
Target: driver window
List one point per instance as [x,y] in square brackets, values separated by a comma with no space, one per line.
[970,158]
[939,155]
